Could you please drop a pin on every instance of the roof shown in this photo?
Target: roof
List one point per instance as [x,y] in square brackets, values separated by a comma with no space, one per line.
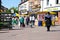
[22,2]
[4,8]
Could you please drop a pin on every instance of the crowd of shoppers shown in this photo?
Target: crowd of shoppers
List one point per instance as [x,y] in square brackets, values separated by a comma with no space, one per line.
[30,21]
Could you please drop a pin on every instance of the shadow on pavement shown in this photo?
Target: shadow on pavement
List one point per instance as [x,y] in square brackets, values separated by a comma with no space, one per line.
[54,30]
[4,31]
[15,29]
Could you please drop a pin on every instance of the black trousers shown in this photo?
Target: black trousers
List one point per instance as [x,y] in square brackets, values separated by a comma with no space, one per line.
[48,28]
[27,23]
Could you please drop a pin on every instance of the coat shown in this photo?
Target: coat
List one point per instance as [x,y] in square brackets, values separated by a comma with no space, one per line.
[21,20]
[48,20]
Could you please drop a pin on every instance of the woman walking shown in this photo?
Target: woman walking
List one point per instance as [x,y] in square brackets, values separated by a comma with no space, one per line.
[48,21]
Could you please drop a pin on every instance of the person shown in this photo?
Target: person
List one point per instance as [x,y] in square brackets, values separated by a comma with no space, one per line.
[53,20]
[48,21]
[12,20]
[21,19]
[27,21]
[17,20]
[32,21]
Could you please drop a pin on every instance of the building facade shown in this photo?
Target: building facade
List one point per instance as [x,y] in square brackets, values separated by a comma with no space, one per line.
[23,7]
[3,9]
[33,5]
[51,6]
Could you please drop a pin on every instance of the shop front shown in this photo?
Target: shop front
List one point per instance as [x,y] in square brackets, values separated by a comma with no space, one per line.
[55,11]
[41,18]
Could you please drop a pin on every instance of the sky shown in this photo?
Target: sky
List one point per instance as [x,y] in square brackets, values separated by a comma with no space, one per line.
[10,3]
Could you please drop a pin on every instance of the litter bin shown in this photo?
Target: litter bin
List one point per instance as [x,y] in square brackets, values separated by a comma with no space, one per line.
[39,23]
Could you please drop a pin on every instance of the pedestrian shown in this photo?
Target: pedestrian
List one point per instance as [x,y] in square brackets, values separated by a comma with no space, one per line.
[48,21]
[27,21]
[17,20]
[32,21]
[21,22]
[53,20]
[12,20]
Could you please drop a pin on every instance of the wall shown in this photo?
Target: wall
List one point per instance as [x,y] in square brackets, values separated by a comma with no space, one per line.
[59,17]
[24,7]
[34,4]
[52,6]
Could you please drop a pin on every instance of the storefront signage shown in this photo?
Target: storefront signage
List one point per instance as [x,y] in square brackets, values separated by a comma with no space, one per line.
[24,8]
[52,9]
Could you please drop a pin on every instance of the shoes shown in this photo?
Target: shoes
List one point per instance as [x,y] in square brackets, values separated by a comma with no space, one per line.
[48,30]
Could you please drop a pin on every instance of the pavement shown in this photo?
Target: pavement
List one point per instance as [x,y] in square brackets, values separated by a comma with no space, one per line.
[37,33]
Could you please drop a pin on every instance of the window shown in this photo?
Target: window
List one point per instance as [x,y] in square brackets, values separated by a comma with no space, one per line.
[57,1]
[47,2]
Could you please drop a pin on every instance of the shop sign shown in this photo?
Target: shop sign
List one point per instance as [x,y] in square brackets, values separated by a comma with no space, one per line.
[24,8]
[51,9]
[24,11]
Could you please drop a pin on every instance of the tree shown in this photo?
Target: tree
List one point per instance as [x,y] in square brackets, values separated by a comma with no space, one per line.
[15,9]
[8,11]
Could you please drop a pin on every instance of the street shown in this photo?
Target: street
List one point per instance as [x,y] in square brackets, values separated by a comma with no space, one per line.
[37,33]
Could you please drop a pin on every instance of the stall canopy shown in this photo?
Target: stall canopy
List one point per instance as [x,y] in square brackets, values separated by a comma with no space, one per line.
[52,12]
[16,14]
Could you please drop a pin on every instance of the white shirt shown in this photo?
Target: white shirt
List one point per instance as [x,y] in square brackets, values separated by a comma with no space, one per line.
[32,18]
